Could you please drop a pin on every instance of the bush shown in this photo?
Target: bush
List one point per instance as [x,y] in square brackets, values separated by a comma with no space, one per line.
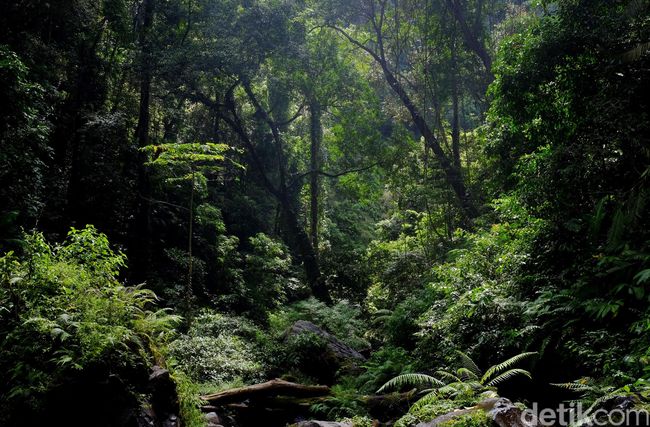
[64,315]
[341,320]
[218,349]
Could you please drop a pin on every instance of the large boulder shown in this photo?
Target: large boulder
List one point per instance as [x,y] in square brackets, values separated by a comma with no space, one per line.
[324,362]
[338,348]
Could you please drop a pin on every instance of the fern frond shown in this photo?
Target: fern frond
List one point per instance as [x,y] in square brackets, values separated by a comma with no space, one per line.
[449,389]
[466,374]
[447,376]
[427,399]
[609,394]
[498,368]
[416,380]
[507,375]
[577,387]
[469,364]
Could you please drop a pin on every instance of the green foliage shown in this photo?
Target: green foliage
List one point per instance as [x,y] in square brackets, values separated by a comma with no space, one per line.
[594,395]
[189,401]
[341,320]
[479,294]
[24,129]
[463,385]
[64,312]
[218,349]
[426,413]
[358,421]
[382,365]
[344,402]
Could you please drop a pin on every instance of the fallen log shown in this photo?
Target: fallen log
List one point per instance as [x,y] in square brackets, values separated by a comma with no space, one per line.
[273,388]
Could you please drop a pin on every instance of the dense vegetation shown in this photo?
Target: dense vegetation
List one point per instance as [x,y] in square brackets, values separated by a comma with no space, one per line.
[440,184]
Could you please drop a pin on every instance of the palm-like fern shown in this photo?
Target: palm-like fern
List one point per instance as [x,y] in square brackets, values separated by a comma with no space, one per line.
[468,378]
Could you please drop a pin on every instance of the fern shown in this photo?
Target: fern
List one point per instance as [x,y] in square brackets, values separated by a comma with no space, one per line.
[469,364]
[466,374]
[498,368]
[416,380]
[507,375]
[427,399]
[574,386]
[448,376]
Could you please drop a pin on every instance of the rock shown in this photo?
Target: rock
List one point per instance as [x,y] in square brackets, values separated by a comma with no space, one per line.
[164,397]
[336,346]
[618,402]
[212,419]
[506,414]
[321,424]
[324,367]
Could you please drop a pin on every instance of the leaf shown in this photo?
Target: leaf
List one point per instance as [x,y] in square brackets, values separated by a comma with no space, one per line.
[507,375]
[505,365]
[427,399]
[468,363]
[410,379]
[642,276]
[574,386]
[448,375]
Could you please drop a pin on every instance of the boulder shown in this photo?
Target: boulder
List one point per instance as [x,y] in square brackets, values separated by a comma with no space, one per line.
[324,364]
[164,397]
[506,414]
[338,348]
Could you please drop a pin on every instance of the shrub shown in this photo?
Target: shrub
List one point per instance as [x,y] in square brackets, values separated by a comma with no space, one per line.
[65,315]
[341,320]
[218,349]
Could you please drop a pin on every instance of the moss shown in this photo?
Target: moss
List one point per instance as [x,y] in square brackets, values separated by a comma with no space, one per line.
[358,421]
[476,418]
[428,412]
[189,401]
[424,413]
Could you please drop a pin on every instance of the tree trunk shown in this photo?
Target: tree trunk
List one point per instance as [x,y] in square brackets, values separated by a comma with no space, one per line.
[315,165]
[297,237]
[455,119]
[452,174]
[470,37]
[188,291]
[142,227]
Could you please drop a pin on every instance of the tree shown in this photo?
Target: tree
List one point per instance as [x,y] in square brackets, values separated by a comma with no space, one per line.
[187,162]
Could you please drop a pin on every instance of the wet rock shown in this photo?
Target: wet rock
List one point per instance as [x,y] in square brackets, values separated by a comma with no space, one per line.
[164,397]
[506,414]
[212,419]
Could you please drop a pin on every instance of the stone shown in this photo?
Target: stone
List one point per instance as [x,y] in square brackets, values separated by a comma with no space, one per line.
[337,347]
[212,419]
[506,414]
[339,358]
[164,397]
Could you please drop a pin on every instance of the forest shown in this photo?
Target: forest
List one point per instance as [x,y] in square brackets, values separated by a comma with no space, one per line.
[324,213]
